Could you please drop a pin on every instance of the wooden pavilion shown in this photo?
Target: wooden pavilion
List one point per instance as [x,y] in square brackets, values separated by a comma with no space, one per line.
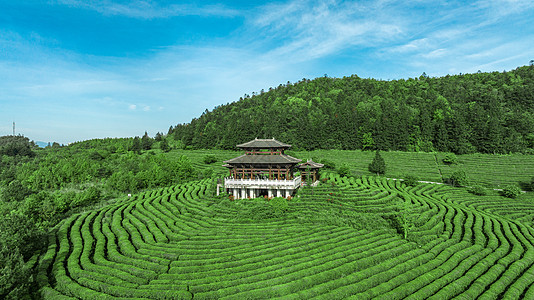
[309,171]
[264,170]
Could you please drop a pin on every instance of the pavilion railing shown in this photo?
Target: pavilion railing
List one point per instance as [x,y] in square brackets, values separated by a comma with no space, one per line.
[230,182]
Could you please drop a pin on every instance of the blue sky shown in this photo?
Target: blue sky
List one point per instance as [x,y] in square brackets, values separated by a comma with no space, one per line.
[73,70]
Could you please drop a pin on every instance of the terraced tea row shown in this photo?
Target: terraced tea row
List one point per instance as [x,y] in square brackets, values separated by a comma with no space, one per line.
[176,243]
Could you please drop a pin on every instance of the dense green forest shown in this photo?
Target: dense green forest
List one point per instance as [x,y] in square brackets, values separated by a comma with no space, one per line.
[482,112]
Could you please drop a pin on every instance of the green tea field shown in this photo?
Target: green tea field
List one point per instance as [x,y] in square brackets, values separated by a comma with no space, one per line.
[342,239]
[491,171]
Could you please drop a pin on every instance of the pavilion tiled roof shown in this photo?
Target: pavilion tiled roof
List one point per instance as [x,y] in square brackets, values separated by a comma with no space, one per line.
[310,164]
[263,144]
[263,159]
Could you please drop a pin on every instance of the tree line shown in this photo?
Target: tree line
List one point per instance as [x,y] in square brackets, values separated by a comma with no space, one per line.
[481,112]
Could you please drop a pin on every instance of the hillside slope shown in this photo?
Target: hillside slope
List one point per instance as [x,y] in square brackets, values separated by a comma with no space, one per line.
[483,112]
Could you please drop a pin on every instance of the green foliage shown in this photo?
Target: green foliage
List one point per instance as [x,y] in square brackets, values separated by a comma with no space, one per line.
[344,171]
[458,178]
[207,173]
[209,159]
[136,145]
[158,137]
[19,239]
[450,159]
[367,141]
[42,209]
[478,190]
[164,146]
[328,164]
[95,155]
[90,196]
[257,210]
[411,180]
[406,217]
[260,208]
[279,205]
[146,142]
[16,146]
[346,218]
[15,191]
[378,165]
[511,191]
[485,112]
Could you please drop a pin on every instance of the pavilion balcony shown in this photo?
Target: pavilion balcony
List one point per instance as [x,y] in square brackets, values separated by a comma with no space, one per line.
[230,183]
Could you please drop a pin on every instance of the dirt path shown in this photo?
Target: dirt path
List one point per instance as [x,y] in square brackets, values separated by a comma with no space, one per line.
[433,182]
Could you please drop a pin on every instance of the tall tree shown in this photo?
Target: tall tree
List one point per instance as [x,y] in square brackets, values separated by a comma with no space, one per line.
[378,165]
[136,145]
[146,142]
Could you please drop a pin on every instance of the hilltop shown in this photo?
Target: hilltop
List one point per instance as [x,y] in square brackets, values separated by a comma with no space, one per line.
[470,113]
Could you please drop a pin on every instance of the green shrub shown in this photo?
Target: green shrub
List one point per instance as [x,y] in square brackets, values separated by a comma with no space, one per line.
[344,171]
[259,211]
[207,173]
[95,155]
[458,178]
[209,159]
[328,164]
[411,180]
[90,196]
[511,191]
[478,190]
[279,205]
[450,159]
[14,191]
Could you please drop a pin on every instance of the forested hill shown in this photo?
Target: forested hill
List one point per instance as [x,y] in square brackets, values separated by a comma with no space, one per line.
[482,112]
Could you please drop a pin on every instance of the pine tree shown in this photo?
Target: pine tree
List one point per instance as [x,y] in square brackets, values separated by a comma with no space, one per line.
[158,137]
[378,165]
[146,142]
[164,146]
[136,145]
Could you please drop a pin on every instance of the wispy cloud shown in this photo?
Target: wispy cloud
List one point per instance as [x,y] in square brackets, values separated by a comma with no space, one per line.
[151,9]
[312,29]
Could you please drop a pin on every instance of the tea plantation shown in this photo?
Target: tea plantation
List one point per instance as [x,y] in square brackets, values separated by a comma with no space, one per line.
[342,239]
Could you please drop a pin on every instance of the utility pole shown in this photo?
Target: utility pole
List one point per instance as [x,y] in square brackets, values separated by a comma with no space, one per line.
[13,128]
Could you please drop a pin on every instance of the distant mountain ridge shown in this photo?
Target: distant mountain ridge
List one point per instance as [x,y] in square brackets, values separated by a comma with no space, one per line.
[481,112]
[41,144]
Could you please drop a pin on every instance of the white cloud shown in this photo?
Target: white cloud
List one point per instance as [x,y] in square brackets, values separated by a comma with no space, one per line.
[312,29]
[146,108]
[150,9]
[132,107]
